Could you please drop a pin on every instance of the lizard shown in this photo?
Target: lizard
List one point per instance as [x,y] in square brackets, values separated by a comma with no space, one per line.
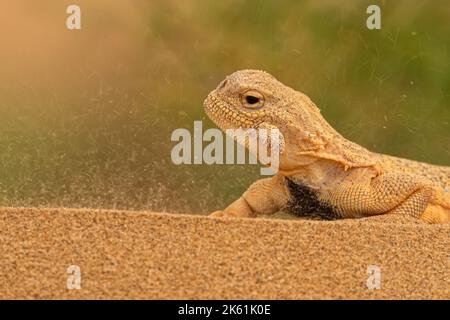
[321,173]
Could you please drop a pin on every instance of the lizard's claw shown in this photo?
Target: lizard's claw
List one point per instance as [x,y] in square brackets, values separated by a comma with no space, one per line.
[223,213]
[216,214]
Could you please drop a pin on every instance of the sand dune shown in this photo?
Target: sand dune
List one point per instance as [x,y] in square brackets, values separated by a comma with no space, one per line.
[170,256]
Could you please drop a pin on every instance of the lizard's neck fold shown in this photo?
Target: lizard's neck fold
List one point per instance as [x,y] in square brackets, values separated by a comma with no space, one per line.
[331,146]
[312,136]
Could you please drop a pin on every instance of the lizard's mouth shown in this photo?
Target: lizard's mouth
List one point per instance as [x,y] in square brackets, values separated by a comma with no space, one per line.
[227,117]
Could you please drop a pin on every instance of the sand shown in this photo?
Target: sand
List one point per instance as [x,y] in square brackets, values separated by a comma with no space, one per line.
[145,255]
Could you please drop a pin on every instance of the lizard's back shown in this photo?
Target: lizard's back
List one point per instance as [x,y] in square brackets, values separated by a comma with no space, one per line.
[439,175]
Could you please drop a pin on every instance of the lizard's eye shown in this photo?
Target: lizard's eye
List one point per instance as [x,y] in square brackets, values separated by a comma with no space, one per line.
[252,99]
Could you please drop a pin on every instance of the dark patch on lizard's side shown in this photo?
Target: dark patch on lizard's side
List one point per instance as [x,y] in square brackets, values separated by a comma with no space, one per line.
[304,202]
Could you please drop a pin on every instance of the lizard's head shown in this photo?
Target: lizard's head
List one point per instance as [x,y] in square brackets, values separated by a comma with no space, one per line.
[255,99]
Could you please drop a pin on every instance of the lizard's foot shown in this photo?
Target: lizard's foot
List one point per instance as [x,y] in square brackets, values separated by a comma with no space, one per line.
[436,214]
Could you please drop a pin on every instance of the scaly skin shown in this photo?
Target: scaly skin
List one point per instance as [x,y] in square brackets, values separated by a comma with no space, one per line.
[320,172]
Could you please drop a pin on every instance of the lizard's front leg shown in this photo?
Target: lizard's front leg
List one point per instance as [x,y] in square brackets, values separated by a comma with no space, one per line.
[388,193]
[265,196]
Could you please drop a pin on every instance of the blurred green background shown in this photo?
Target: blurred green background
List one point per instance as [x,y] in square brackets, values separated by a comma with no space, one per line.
[86,116]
